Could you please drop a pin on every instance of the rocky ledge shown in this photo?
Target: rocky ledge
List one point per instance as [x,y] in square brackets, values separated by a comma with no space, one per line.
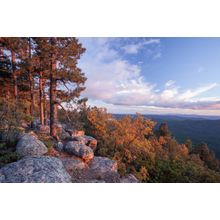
[29,145]
[72,160]
[39,169]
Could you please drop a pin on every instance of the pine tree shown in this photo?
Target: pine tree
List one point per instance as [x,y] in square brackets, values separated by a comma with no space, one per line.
[27,73]
[53,88]
[5,72]
[12,46]
[65,78]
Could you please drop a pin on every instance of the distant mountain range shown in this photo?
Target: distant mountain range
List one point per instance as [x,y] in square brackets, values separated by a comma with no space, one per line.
[200,129]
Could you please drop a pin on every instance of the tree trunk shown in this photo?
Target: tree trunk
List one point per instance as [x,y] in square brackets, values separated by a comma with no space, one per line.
[14,75]
[45,104]
[31,97]
[41,100]
[31,83]
[53,104]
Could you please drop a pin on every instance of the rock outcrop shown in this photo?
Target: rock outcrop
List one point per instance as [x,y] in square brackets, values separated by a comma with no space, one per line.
[64,135]
[30,145]
[59,146]
[130,178]
[43,169]
[103,164]
[100,170]
[71,160]
[87,140]
[73,164]
[79,149]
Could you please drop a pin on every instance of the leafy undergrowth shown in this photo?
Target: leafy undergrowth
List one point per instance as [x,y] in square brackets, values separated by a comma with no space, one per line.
[47,140]
[7,154]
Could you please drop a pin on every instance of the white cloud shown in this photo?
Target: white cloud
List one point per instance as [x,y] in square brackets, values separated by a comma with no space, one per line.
[116,83]
[132,48]
[157,55]
[135,47]
[189,94]
[152,41]
[169,83]
[140,93]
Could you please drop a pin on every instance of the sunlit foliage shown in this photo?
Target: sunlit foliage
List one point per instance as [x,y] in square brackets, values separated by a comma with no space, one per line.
[152,156]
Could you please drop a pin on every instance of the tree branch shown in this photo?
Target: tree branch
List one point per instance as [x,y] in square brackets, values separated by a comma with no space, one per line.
[64,111]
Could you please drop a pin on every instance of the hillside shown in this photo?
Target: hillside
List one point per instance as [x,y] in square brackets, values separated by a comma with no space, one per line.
[200,129]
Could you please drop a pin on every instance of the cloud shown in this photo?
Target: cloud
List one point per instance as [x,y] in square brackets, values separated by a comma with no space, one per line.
[193,93]
[140,93]
[118,84]
[157,55]
[169,83]
[135,47]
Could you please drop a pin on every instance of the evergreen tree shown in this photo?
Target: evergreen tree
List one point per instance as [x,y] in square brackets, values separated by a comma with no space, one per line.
[58,61]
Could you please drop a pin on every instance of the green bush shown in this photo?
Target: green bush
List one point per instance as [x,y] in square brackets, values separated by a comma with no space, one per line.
[8,157]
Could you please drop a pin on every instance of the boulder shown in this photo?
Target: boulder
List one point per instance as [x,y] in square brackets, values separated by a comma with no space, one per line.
[99,170]
[79,149]
[130,178]
[73,132]
[29,145]
[64,126]
[36,123]
[59,146]
[69,131]
[64,135]
[103,169]
[72,164]
[43,169]
[77,133]
[103,165]
[87,140]
[30,133]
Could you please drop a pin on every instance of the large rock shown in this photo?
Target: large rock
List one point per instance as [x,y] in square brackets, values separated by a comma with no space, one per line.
[36,123]
[103,165]
[87,140]
[64,135]
[59,146]
[79,149]
[77,133]
[42,169]
[29,145]
[100,170]
[103,169]
[73,132]
[72,164]
[130,178]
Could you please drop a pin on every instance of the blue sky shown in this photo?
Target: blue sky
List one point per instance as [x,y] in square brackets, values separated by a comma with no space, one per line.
[153,75]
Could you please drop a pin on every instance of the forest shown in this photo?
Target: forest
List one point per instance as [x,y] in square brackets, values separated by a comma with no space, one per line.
[191,127]
[41,86]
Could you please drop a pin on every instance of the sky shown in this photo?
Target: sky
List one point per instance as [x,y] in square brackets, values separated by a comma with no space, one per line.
[153,75]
